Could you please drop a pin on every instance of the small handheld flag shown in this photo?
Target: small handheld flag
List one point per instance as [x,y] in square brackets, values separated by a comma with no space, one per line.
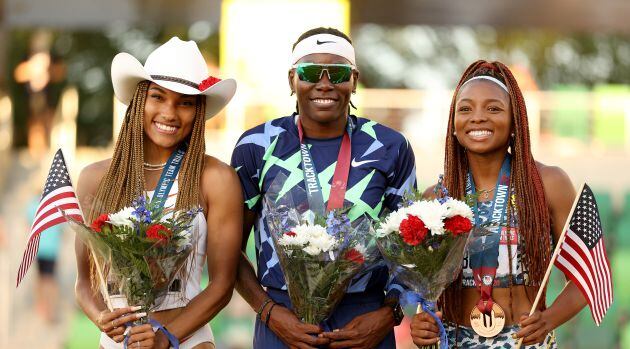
[582,256]
[58,195]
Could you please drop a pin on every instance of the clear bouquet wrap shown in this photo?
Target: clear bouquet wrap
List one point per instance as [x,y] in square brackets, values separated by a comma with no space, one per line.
[319,255]
[423,243]
[139,251]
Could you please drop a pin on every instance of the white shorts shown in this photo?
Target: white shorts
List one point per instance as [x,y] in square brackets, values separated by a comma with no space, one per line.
[202,335]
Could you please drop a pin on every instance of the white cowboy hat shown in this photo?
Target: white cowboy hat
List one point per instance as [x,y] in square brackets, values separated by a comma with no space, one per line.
[176,65]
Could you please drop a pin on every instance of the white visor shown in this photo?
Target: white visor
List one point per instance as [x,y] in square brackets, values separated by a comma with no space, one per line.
[323,43]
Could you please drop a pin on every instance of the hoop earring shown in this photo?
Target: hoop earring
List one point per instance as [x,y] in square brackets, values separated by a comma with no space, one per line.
[292,93]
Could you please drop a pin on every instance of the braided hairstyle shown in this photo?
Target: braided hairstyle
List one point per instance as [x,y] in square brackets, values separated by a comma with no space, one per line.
[124,180]
[528,201]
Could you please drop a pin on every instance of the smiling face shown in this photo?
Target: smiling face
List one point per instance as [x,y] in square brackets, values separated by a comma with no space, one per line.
[483,117]
[323,102]
[168,116]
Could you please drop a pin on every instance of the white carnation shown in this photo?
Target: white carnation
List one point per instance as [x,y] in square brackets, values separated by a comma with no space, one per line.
[392,222]
[122,218]
[432,213]
[310,231]
[288,240]
[323,242]
[458,208]
[312,250]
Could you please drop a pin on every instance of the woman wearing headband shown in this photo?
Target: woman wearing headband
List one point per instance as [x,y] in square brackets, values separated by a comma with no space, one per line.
[169,99]
[523,203]
[323,76]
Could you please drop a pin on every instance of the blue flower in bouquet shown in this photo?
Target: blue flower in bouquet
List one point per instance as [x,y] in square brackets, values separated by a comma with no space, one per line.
[140,210]
[337,223]
[194,211]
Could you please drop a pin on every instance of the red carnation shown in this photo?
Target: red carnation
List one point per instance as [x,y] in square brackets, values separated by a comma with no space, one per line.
[354,256]
[413,230]
[158,232]
[211,80]
[290,233]
[458,225]
[99,222]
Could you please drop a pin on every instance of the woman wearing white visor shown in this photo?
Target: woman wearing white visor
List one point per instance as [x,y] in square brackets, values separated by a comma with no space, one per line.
[323,75]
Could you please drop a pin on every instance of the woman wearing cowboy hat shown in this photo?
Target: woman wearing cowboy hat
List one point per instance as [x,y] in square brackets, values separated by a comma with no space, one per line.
[169,99]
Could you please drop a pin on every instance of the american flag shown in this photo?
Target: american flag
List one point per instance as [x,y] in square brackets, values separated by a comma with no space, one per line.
[582,256]
[58,195]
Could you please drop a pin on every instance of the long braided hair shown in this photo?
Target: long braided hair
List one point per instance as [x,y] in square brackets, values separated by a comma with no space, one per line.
[124,180]
[528,201]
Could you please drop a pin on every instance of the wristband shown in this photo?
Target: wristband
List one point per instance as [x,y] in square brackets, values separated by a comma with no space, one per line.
[262,307]
[269,314]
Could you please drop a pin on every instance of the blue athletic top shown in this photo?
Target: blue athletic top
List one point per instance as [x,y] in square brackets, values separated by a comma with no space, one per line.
[382,169]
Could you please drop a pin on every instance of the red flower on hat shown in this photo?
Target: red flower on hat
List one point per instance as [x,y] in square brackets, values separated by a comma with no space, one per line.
[211,80]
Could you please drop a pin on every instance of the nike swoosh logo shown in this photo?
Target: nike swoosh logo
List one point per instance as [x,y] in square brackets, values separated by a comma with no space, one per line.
[324,42]
[356,163]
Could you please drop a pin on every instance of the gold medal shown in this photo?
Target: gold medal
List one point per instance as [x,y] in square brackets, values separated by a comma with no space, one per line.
[488,325]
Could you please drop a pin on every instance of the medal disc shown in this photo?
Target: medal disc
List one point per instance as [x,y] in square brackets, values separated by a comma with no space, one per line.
[487,325]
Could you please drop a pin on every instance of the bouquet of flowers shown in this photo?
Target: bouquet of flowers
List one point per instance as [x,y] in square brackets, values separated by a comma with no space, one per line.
[424,243]
[141,249]
[319,255]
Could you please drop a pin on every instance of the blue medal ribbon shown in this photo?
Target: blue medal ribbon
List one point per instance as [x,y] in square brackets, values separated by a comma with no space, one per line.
[158,326]
[414,298]
[169,173]
[485,261]
[171,338]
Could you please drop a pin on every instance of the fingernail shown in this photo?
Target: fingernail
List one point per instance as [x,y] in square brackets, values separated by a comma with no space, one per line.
[336,330]
[139,315]
[136,308]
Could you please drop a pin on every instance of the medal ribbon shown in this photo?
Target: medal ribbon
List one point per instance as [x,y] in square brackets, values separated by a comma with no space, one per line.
[486,261]
[169,173]
[340,177]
